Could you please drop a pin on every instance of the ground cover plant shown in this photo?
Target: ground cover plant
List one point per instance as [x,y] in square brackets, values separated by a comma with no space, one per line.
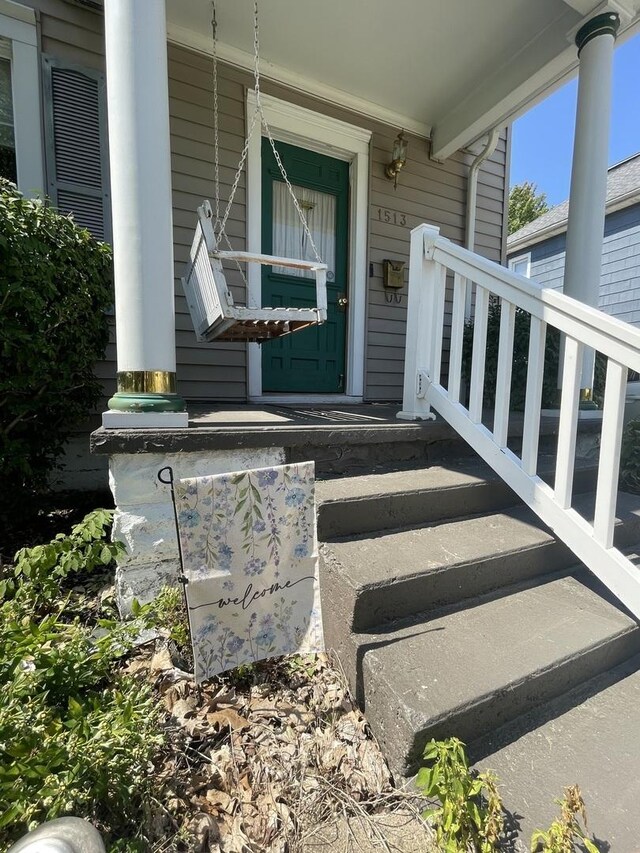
[76,735]
[102,719]
[55,284]
[569,830]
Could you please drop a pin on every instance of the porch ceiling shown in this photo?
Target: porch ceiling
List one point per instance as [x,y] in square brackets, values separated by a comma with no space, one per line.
[450,70]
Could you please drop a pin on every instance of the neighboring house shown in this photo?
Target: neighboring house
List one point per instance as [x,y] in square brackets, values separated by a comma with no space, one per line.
[537,250]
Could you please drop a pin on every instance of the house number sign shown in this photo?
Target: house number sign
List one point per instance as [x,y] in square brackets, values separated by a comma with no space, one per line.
[391,216]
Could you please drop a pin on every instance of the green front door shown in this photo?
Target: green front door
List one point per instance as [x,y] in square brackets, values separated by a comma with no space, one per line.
[313,360]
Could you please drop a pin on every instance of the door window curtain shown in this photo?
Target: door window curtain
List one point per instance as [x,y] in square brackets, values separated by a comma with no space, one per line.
[289,238]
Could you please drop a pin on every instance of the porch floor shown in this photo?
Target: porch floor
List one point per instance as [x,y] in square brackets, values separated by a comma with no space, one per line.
[227,426]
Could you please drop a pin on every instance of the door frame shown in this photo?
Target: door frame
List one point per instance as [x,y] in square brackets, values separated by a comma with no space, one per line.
[324,135]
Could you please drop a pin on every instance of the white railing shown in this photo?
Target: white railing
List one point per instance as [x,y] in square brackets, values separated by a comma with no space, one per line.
[431,258]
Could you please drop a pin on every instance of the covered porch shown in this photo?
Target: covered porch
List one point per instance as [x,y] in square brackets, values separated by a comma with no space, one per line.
[345,107]
[343,102]
[449,582]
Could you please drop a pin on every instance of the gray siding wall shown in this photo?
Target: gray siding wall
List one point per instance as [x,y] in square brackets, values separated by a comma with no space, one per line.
[427,192]
[620,279]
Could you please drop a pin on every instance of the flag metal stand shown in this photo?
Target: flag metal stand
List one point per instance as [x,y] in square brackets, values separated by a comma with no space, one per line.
[167,471]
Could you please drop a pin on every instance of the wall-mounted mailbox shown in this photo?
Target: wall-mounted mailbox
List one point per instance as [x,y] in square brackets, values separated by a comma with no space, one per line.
[393,274]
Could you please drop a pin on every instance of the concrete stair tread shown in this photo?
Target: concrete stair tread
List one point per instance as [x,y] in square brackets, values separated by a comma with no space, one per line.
[390,480]
[378,579]
[589,737]
[460,472]
[388,557]
[394,495]
[468,671]
[385,558]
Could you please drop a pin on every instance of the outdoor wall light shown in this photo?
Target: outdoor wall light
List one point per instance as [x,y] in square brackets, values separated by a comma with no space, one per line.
[399,158]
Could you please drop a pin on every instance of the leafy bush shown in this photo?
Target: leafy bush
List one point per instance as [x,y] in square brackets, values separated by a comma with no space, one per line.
[55,284]
[470,814]
[550,394]
[630,458]
[76,735]
[38,571]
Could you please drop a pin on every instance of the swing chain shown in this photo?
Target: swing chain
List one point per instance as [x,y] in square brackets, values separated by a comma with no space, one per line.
[220,225]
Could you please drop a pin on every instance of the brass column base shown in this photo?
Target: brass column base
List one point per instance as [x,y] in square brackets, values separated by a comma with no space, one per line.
[146,391]
[586,400]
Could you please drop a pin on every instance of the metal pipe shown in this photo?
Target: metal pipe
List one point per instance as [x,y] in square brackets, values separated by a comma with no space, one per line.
[472,195]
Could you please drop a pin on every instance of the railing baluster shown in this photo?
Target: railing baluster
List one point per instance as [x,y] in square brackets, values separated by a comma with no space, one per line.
[568,424]
[478,354]
[503,377]
[533,398]
[440,286]
[609,462]
[457,337]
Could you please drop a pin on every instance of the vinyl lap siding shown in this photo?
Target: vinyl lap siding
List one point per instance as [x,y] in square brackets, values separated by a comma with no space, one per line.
[205,371]
[620,277]
[427,192]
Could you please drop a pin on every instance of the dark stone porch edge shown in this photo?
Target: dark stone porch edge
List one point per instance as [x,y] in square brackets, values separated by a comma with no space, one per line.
[242,435]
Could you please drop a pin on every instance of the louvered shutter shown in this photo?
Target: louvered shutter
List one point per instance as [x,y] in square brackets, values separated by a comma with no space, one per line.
[76,134]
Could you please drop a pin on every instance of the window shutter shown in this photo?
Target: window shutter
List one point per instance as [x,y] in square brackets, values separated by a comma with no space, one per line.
[76,136]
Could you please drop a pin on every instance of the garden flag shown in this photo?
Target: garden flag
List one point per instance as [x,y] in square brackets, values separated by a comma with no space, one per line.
[250,559]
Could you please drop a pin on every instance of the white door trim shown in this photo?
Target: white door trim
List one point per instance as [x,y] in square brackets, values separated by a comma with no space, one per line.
[316,132]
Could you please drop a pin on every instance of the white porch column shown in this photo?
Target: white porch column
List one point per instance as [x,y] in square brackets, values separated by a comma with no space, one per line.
[585,229]
[138,109]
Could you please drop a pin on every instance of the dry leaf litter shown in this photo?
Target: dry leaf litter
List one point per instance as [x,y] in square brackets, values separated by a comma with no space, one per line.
[265,759]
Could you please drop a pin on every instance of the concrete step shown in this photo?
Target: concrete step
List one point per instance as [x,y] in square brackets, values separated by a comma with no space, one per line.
[372,581]
[588,737]
[401,497]
[467,672]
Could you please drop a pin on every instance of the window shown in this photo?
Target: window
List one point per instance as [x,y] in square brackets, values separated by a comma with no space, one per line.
[21,151]
[521,265]
[8,168]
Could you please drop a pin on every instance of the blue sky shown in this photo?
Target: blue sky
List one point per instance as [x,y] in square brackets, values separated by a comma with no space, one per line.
[542,140]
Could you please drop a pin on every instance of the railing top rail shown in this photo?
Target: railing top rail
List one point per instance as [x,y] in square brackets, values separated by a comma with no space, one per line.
[605,333]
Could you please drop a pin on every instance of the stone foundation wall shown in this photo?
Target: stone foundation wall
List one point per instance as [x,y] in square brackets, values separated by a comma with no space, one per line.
[144,518]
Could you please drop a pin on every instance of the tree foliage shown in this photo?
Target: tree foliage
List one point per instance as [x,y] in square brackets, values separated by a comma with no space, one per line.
[525,205]
[55,284]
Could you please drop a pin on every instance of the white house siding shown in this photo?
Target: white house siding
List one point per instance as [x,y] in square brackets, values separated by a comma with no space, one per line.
[620,279]
[426,192]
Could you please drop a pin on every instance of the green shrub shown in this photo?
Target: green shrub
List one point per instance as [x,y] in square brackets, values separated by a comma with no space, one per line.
[45,566]
[55,284]
[76,735]
[550,393]
[630,458]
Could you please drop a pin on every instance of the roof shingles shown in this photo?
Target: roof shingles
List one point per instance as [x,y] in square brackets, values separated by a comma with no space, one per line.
[622,180]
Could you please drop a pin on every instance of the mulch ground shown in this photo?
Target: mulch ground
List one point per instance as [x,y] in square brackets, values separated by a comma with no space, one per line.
[264,758]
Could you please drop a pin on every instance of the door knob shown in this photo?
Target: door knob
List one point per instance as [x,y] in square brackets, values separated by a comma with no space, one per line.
[342,301]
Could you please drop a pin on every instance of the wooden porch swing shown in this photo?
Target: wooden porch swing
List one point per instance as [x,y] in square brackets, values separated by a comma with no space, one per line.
[213,311]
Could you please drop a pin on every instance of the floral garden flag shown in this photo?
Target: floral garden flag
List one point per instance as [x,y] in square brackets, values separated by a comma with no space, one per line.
[250,558]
